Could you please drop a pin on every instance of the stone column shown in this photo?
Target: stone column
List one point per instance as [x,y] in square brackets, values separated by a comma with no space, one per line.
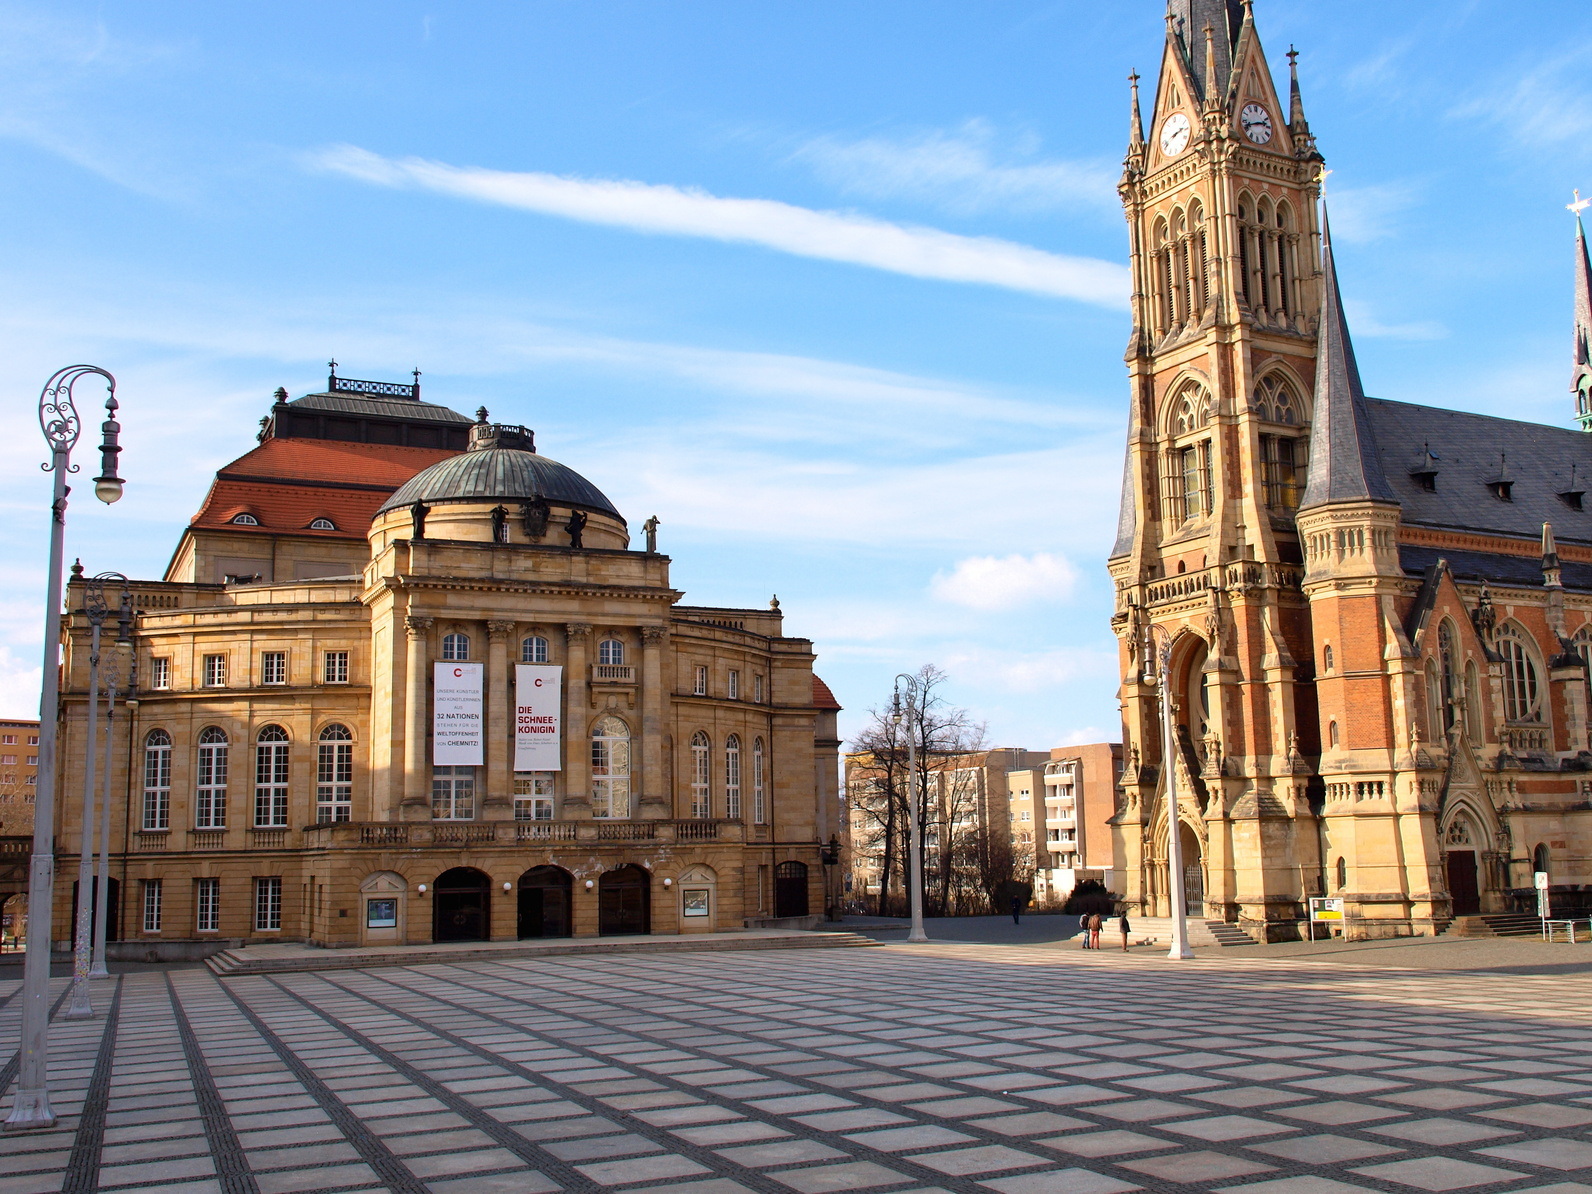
[499,801]
[577,717]
[416,805]
[654,784]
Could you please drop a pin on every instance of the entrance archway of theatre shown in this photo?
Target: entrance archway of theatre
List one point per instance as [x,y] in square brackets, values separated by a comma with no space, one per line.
[1466,858]
[382,914]
[624,902]
[699,899]
[112,910]
[1192,841]
[546,903]
[790,889]
[461,905]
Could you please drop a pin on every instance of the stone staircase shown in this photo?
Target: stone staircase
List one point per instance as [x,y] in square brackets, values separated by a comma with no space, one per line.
[1228,935]
[1497,924]
[1208,934]
[294,958]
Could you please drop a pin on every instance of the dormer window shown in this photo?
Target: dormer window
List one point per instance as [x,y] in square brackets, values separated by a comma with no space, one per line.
[245,520]
[1502,482]
[1424,471]
[323,524]
[1572,496]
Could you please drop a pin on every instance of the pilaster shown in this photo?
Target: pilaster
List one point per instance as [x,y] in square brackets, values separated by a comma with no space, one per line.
[654,803]
[416,804]
[499,800]
[577,719]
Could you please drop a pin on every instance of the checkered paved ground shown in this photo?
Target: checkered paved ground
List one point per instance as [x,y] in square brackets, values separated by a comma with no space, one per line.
[979,1069]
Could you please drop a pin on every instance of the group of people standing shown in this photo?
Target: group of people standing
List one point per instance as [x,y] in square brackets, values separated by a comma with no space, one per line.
[1090,924]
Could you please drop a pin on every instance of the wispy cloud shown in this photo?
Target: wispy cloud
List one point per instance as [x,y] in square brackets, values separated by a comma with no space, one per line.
[1543,102]
[831,236]
[959,170]
[1361,215]
[1005,582]
[1362,323]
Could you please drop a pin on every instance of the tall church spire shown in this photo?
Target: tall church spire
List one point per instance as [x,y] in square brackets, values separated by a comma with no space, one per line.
[1581,375]
[1343,463]
[1187,20]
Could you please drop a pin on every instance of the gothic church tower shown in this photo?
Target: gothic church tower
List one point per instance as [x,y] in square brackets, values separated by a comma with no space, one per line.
[1220,200]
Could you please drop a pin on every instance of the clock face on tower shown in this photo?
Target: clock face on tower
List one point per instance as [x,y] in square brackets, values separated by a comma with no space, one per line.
[1174,134]
[1257,123]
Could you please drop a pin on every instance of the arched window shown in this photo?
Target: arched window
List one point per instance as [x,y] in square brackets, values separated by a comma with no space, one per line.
[245,520]
[1191,492]
[1343,873]
[1284,272]
[1522,694]
[210,792]
[759,780]
[1282,457]
[1583,648]
[455,647]
[270,778]
[611,653]
[1243,250]
[1447,656]
[701,775]
[1326,659]
[157,780]
[732,777]
[1473,701]
[1162,258]
[610,768]
[1434,701]
[1264,256]
[334,776]
[1332,734]
[323,524]
[534,650]
[1539,858]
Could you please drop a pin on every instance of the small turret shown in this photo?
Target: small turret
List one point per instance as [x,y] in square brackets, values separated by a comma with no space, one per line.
[1581,371]
[1550,559]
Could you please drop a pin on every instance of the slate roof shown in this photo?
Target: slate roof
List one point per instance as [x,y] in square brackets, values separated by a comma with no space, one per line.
[1469,451]
[1494,568]
[1189,18]
[372,406]
[507,474]
[1344,465]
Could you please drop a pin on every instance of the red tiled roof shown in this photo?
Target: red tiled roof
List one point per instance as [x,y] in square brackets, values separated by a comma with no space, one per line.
[288,483]
[822,697]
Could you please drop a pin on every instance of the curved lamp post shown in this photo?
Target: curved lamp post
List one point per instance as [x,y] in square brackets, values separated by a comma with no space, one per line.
[1174,836]
[59,421]
[914,717]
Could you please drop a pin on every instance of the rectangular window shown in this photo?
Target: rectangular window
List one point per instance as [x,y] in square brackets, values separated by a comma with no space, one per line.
[334,782]
[162,673]
[701,765]
[757,689]
[735,685]
[453,793]
[210,793]
[8,739]
[533,796]
[8,760]
[270,785]
[1281,464]
[157,783]
[732,781]
[151,905]
[33,760]
[33,739]
[700,686]
[268,905]
[215,671]
[273,667]
[207,899]
[335,668]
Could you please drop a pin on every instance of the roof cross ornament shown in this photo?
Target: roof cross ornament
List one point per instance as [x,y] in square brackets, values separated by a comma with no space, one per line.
[1580,204]
[1321,180]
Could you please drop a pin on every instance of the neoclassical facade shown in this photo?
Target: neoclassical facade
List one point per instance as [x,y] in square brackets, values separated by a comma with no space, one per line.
[1378,615]
[350,656]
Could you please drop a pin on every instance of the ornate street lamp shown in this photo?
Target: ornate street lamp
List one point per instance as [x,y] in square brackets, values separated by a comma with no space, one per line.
[59,421]
[914,717]
[1162,679]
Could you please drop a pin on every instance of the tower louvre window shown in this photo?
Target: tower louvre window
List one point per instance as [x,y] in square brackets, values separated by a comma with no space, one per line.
[1279,457]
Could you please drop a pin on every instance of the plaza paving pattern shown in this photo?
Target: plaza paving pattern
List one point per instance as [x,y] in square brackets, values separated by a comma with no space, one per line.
[971,1068]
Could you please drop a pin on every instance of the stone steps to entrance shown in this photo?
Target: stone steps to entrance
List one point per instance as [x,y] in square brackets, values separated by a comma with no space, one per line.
[1157,930]
[1495,924]
[290,959]
[1229,935]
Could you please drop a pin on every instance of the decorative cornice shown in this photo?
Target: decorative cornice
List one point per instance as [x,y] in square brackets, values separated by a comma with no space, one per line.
[418,626]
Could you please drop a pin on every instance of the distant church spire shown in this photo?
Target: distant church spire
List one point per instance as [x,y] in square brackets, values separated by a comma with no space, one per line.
[1343,462]
[1581,377]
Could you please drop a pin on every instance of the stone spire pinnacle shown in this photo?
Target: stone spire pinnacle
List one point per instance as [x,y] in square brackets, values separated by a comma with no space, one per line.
[1550,559]
[1344,466]
[1135,120]
[1581,360]
[1186,22]
[1296,105]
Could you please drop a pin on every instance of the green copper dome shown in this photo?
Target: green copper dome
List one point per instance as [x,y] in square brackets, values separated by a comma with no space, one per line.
[500,474]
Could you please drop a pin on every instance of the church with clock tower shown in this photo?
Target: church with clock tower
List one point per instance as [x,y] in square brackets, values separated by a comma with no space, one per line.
[1375,617]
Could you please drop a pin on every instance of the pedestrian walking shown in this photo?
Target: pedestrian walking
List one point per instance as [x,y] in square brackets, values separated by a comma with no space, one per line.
[1017,905]
[1123,921]
[1094,931]
[1083,929]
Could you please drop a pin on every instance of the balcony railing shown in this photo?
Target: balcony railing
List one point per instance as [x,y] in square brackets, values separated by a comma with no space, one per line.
[386,834]
[613,673]
[207,839]
[1521,738]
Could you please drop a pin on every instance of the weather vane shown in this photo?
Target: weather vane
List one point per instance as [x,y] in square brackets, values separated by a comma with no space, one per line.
[1580,204]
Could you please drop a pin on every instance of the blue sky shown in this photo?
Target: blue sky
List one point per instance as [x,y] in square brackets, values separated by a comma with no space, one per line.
[835,290]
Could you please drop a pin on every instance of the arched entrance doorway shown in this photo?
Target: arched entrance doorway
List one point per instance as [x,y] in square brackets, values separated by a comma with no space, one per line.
[545,902]
[790,889]
[112,910]
[624,902]
[460,905]
[13,920]
[1464,888]
[1193,870]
